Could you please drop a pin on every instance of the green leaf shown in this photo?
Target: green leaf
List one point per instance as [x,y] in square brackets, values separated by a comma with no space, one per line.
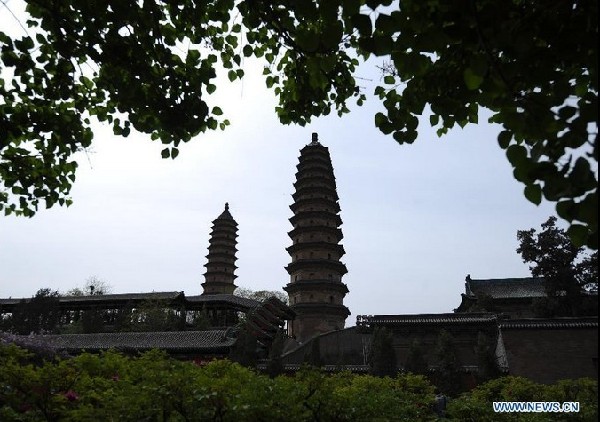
[516,154]
[380,119]
[565,210]
[533,193]
[389,79]
[232,75]
[247,50]
[363,24]
[434,119]
[174,153]
[165,153]
[504,139]
[578,234]
[217,111]
[472,79]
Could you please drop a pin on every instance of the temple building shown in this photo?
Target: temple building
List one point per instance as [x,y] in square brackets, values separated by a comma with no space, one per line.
[316,292]
[512,297]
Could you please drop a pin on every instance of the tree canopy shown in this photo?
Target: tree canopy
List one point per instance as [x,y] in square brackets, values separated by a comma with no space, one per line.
[151,66]
[570,272]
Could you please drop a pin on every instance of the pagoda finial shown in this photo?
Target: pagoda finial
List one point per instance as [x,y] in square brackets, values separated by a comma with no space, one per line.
[315,139]
[226,206]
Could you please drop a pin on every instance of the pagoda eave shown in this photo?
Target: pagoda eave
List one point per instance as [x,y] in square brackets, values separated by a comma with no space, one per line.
[308,308]
[305,285]
[308,246]
[305,264]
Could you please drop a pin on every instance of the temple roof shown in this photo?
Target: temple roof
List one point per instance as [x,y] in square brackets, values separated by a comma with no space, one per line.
[103,299]
[577,322]
[206,341]
[69,302]
[506,288]
[421,319]
[225,298]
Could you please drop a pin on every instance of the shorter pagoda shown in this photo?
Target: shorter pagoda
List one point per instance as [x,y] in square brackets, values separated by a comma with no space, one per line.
[220,268]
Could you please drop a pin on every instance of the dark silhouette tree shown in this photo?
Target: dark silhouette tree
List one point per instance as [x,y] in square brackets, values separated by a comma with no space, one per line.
[40,314]
[313,356]
[383,356]
[245,349]
[567,269]
[415,360]
[275,363]
[155,315]
[448,377]
[487,366]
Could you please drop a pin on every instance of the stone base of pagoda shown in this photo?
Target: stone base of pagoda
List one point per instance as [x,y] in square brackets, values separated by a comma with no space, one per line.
[313,319]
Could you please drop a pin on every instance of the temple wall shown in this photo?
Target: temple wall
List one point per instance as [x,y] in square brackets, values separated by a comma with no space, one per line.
[547,355]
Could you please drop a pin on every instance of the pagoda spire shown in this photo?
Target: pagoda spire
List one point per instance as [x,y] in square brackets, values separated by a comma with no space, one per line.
[316,292]
[220,268]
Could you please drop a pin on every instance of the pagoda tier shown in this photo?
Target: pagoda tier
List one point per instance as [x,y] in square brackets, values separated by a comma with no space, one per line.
[220,268]
[316,292]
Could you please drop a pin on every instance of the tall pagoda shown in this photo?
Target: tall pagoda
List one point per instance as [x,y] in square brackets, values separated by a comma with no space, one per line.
[315,290]
[220,268]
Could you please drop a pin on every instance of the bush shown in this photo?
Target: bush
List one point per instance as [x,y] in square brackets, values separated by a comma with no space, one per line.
[110,386]
[477,404]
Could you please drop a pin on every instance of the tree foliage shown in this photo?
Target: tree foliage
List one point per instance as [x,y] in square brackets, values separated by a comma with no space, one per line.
[40,314]
[415,359]
[245,351]
[93,286]
[150,66]
[487,364]
[568,270]
[110,386]
[476,404]
[447,376]
[261,295]
[382,359]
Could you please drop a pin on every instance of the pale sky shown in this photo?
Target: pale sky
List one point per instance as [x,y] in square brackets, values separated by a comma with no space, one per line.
[416,218]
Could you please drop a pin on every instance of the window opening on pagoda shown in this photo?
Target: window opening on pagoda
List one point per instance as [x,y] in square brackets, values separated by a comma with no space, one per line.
[328,256]
[295,278]
[330,276]
[311,254]
[330,299]
[312,297]
[312,275]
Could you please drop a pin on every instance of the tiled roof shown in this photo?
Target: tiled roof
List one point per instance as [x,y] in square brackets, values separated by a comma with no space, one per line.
[507,288]
[122,297]
[420,319]
[210,340]
[119,297]
[227,298]
[586,322]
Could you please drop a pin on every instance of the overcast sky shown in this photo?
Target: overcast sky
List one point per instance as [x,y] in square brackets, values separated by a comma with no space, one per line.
[416,218]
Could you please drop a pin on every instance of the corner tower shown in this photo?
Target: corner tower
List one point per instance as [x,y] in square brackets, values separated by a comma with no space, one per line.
[315,290]
[220,267]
